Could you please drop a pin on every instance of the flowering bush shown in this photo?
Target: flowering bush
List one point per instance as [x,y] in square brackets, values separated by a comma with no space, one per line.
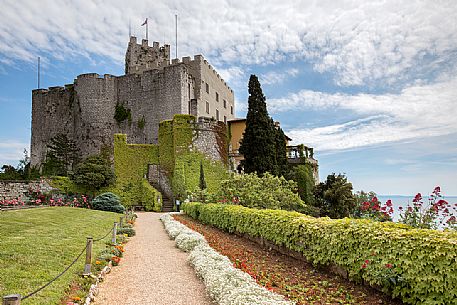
[437,212]
[224,283]
[373,209]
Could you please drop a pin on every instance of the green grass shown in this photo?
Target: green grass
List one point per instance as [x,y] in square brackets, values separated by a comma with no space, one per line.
[37,244]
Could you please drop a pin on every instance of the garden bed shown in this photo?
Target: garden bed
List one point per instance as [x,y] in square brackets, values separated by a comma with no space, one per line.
[293,278]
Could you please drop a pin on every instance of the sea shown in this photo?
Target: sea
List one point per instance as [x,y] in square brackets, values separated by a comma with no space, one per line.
[403,201]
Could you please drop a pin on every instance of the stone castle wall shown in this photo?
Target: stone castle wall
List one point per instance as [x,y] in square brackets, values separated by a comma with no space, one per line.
[153,89]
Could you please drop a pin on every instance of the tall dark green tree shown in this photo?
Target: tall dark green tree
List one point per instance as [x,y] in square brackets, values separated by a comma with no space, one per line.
[282,165]
[62,156]
[202,183]
[258,145]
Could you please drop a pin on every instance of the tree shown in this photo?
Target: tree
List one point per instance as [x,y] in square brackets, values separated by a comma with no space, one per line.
[62,156]
[93,173]
[281,152]
[334,197]
[303,175]
[258,145]
[202,177]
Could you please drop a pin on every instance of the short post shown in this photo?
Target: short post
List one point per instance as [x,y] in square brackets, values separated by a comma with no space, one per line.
[12,299]
[113,240]
[121,220]
[88,264]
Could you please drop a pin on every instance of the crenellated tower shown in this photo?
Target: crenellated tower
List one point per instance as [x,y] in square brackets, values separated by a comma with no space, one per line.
[142,57]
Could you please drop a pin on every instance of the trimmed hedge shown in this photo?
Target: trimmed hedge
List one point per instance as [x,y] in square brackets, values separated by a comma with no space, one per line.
[417,265]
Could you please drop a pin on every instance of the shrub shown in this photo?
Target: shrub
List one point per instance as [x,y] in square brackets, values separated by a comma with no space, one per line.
[419,263]
[125,230]
[108,202]
[266,192]
[93,173]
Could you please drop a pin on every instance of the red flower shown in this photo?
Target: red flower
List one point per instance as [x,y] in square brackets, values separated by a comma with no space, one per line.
[364,266]
[442,202]
[400,208]
[365,206]
[374,199]
[417,198]
[389,203]
[389,266]
[437,190]
[367,261]
[410,209]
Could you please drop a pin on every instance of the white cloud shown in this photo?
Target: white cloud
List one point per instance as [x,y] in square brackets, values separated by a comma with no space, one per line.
[358,42]
[276,77]
[11,152]
[416,112]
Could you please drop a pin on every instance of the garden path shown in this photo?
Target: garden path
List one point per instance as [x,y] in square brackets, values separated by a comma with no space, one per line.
[152,271]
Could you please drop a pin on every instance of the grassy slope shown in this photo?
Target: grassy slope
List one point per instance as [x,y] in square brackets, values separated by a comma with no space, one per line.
[37,244]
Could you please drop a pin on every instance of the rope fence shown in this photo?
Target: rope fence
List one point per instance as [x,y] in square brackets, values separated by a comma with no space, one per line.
[15,299]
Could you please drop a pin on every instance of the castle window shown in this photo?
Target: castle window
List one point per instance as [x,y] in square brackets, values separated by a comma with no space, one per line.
[217,97]
[207,88]
[225,104]
[225,119]
[207,107]
[231,109]
[217,115]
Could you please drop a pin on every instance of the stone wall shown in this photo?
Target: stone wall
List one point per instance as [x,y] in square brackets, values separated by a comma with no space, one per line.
[211,139]
[18,189]
[84,111]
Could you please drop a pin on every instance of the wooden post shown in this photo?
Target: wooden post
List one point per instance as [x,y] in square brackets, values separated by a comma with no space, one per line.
[121,220]
[12,299]
[88,264]
[113,240]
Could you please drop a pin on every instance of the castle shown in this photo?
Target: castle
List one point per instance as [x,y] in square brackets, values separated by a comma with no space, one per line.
[94,108]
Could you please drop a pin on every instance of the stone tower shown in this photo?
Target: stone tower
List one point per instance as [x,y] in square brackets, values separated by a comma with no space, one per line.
[142,57]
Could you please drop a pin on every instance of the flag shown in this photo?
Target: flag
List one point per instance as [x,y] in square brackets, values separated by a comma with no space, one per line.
[145,22]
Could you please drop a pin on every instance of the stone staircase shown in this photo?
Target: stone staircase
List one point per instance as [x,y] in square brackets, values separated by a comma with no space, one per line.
[167,204]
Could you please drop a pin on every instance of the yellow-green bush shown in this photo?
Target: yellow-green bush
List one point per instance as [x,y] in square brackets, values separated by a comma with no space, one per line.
[417,265]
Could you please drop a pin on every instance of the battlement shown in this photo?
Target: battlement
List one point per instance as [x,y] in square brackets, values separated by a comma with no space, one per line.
[53,89]
[142,57]
[199,59]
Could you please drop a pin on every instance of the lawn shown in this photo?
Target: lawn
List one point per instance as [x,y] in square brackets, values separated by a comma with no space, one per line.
[37,244]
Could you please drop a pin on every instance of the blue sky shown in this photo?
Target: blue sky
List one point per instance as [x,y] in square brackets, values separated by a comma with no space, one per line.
[372,85]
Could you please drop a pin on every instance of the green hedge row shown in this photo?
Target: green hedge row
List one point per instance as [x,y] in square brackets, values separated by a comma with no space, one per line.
[419,266]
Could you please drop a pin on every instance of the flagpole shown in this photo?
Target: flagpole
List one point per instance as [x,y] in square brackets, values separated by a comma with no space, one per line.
[38,72]
[176,34]
[147,26]
[130,28]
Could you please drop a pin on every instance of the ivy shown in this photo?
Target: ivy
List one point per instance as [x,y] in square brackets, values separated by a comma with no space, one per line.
[141,123]
[131,166]
[122,113]
[416,265]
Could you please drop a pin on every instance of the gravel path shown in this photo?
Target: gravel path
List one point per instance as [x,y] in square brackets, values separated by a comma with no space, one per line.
[152,271]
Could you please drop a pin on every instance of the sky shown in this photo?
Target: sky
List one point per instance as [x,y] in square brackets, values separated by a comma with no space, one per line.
[371,85]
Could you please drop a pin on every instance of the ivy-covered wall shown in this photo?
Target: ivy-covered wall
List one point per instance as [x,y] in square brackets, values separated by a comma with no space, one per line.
[131,160]
[131,165]
[176,155]
[181,159]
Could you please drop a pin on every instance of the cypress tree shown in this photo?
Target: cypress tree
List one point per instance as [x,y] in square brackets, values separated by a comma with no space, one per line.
[258,145]
[281,152]
[202,177]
